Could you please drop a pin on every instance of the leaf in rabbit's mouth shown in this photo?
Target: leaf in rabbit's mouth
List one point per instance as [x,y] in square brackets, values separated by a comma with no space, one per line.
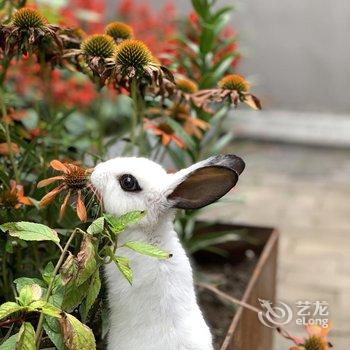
[74,180]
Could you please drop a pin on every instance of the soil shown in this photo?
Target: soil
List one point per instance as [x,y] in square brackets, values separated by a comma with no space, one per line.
[231,278]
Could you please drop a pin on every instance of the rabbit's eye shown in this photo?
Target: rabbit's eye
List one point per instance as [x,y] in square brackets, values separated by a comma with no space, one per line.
[129,183]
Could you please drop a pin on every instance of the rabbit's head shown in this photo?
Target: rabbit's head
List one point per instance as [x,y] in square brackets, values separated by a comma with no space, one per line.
[127,184]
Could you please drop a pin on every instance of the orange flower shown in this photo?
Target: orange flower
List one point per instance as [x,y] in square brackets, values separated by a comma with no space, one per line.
[316,340]
[165,132]
[5,149]
[73,179]
[192,126]
[14,197]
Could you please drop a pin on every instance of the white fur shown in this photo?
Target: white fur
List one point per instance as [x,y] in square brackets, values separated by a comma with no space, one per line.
[159,311]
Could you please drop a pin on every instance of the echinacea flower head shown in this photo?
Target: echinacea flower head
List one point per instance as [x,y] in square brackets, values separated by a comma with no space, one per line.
[26,18]
[119,31]
[234,82]
[186,85]
[74,180]
[316,339]
[30,32]
[14,197]
[98,45]
[133,54]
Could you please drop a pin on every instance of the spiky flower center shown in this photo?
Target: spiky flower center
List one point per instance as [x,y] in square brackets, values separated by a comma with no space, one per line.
[315,343]
[133,54]
[186,85]
[8,199]
[28,18]
[99,45]
[76,178]
[119,30]
[234,82]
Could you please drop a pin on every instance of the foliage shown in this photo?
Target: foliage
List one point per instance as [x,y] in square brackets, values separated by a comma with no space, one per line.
[74,88]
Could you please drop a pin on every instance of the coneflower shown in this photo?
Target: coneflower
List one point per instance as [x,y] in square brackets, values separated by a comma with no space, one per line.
[119,31]
[133,54]
[98,45]
[186,85]
[74,180]
[234,82]
[26,18]
[233,88]
[28,31]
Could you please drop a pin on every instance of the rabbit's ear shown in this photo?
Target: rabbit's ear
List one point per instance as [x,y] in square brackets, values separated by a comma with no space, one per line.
[205,182]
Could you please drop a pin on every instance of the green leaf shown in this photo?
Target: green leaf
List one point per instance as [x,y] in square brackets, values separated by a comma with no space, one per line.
[47,273]
[119,224]
[29,293]
[147,249]
[30,231]
[25,281]
[86,261]
[73,295]
[201,7]
[45,308]
[52,329]
[124,267]
[26,337]
[9,308]
[181,133]
[92,294]
[96,227]
[76,336]
[10,343]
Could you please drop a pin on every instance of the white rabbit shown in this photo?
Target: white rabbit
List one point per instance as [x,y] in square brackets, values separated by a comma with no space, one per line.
[159,311]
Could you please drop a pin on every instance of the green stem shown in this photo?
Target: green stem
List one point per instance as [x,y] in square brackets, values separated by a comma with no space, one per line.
[134,118]
[38,333]
[8,138]
[4,273]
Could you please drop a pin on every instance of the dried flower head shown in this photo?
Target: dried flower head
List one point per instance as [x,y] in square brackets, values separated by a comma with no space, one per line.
[26,18]
[133,54]
[74,180]
[133,59]
[14,197]
[30,32]
[119,31]
[232,88]
[234,82]
[98,45]
[186,85]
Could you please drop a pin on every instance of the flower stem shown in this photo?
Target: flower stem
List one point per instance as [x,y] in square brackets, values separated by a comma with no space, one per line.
[38,333]
[8,137]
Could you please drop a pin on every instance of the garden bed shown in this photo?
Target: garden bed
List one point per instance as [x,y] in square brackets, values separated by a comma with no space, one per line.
[248,272]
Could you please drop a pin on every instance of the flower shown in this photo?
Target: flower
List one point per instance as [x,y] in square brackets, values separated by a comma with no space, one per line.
[234,82]
[73,179]
[133,55]
[316,340]
[119,31]
[134,59]
[29,31]
[186,85]
[14,197]
[165,132]
[98,45]
[27,17]
[233,88]
[5,149]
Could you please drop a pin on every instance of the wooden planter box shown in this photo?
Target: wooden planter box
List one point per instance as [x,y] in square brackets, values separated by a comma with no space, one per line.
[245,331]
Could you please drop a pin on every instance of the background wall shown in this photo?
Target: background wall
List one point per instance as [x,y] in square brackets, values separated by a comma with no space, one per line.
[297,52]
